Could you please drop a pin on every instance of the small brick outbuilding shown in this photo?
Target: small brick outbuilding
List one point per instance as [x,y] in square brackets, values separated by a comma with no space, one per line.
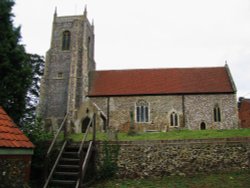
[16,152]
[244,112]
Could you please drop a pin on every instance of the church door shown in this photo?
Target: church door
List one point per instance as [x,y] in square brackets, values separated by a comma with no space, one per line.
[203,126]
[85,124]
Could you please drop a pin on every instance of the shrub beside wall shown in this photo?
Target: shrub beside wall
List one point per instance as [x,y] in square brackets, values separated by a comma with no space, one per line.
[139,159]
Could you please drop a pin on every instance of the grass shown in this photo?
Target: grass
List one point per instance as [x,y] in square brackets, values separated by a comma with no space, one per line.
[172,135]
[237,179]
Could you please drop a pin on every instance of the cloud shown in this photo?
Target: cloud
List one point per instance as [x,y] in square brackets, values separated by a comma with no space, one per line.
[152,33]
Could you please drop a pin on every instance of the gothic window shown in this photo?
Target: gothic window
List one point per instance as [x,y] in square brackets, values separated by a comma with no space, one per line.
[66,40]
[174,119]
[142,111]
[89,42]
[217,114]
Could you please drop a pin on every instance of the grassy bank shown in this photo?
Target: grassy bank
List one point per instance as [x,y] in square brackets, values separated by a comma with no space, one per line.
[239,179]
[173,135]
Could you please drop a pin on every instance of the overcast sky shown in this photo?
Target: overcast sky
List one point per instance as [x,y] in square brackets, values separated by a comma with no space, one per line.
[152,33]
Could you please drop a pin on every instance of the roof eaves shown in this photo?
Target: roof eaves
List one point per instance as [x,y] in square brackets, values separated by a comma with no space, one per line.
[159,94]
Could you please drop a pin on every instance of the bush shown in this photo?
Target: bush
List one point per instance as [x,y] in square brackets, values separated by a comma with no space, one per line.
[109,166]
[41,140]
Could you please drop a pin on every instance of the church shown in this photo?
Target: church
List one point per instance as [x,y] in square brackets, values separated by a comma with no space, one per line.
[160,99]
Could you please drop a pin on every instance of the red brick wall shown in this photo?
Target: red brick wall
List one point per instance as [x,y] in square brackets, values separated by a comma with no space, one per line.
[244,114]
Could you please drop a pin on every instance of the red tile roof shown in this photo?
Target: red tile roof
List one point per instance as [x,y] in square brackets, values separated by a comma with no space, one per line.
[161,81]
[10,135]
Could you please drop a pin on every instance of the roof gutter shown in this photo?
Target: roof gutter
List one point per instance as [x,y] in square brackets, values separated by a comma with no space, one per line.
[16,151]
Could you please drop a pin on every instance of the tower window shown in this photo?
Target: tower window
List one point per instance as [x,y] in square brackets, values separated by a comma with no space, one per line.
[89,43]
[217,114]
[174,119]
[142,111]
[66,40]
[59,75]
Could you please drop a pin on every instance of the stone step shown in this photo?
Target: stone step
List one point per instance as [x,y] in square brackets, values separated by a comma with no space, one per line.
[67,173]
[68,166]
[62,183]
[69,161]
[72,155]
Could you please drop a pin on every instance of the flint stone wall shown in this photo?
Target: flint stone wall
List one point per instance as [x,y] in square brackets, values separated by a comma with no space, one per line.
[192,110]
[14,170]
[140,159]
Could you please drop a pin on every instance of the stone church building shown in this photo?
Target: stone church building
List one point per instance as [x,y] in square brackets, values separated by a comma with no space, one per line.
[149,99]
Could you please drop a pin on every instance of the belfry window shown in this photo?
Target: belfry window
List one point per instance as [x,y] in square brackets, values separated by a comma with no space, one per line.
[142,111]
[174,119]
[217,114]
[66,40]
[89,42]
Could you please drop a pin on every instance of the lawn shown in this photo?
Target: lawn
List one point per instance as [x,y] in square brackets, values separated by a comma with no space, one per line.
[237,179]
[172,135]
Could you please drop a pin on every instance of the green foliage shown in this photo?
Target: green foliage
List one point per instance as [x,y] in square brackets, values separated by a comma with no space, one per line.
[172,135]
[15,70]
[186,134]
[77,137]
[239,179]
[20,72]
[41,140]
[36,63]
[35,132]
[109,166]
[131,131]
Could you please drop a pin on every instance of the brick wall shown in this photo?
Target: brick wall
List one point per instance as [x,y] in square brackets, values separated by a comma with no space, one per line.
[244,113]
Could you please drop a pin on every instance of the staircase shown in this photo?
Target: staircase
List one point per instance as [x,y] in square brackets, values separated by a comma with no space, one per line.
[72,162]
[67,171]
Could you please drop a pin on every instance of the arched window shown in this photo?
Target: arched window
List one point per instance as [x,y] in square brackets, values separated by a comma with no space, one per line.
[89,47]
[66,40]
[142,111]
[174,119]
[217,114]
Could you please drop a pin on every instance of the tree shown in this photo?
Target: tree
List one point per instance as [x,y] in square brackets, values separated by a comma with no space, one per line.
[32,98]
[15,67]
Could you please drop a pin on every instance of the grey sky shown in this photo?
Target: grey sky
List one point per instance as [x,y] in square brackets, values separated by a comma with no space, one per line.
[152,33]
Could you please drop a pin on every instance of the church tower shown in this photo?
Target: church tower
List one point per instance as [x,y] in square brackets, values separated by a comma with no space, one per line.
[69,60]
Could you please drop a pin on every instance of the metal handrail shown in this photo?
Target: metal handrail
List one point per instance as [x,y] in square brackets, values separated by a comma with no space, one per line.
[57,134]
[85,160]
[52,145]
[55,164]
[85,137]
[84,164]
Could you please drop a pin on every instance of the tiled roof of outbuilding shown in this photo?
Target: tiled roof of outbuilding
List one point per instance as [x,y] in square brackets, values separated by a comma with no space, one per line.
[161,81]
[10,135]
